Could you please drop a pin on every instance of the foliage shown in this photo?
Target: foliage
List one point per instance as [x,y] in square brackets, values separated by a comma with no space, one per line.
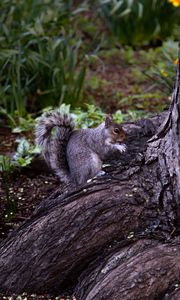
[40,60]
[163,71]
[6,165]
[138,22]
[25,153]
[24,124]
[22,158]
[43,56]
[92,116]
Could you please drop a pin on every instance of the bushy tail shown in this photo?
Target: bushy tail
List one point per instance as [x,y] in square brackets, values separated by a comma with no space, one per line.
[54,147]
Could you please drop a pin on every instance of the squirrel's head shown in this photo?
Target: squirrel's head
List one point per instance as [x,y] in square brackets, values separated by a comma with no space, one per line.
[114,131]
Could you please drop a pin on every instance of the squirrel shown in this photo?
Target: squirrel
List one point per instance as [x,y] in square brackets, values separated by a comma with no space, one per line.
[76,155]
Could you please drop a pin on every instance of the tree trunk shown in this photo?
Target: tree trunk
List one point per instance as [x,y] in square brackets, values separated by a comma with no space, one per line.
[115,237]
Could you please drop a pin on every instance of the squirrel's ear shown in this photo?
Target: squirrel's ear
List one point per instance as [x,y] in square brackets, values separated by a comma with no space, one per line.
[108,121]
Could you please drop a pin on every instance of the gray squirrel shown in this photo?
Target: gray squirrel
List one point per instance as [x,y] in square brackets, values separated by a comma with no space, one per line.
[76,155]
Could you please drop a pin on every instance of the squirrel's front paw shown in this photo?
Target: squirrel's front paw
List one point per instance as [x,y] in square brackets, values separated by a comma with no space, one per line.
[121,147]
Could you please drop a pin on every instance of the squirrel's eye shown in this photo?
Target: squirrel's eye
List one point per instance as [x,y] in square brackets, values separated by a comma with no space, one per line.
[116,130]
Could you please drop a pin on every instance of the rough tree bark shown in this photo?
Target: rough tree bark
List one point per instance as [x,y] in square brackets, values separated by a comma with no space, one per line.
[117,237]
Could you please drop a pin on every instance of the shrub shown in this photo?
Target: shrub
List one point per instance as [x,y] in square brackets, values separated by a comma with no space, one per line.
[138,21]
[40,63]
[163,72]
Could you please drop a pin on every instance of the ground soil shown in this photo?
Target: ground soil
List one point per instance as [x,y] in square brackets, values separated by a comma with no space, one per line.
[118,81]
[26,187]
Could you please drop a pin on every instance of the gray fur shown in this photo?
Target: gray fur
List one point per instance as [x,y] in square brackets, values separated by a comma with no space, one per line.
[54,149]
[75,155]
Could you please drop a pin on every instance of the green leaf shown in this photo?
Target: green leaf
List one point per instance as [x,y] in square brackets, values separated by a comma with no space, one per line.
[23,146]
[116,7]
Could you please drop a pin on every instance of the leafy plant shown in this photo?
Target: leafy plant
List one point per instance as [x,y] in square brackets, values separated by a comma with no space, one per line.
[138,22]
[25,153]
[163,72]
[24,124]
[22,158]
[6,165]
[90,117]
[40,59]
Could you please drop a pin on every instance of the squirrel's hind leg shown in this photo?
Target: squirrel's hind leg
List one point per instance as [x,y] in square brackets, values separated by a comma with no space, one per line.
[89,167]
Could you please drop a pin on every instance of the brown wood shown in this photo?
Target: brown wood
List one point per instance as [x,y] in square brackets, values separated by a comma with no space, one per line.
[143,270]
